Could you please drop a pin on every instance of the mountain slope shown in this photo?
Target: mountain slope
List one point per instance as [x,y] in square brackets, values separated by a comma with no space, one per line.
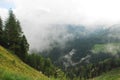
[111,75]
[12,68]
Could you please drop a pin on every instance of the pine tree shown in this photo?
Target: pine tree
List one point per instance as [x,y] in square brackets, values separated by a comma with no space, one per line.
[11,31]
[1,26]
[15,40]
[24,47]
[1,32]
[2,35]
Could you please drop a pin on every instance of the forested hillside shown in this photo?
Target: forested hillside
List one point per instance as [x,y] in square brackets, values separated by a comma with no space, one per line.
[14,40]
[89,54]
[81,55]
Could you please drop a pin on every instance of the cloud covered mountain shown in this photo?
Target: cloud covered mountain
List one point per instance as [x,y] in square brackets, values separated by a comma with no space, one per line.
[75,47]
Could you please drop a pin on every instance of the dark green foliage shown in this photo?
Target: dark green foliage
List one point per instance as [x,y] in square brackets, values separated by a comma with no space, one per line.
[24,47]
[1,33]
[14,38]
[12,31]
[1,26]
[41,64]
[44,64]
[84,72]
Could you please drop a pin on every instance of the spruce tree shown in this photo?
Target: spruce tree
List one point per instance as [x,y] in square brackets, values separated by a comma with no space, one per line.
[1,26]
[1,32]
[24,47]
[15,39]
[11,31]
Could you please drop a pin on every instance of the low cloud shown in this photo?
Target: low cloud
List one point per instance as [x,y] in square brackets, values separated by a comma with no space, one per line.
[39,18]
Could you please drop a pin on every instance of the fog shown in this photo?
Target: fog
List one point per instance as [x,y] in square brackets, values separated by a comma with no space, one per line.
[43,21]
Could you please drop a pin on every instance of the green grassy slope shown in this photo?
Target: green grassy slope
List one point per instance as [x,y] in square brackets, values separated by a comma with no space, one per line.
[12,68]
[108,48]
[111,75]
[112,48]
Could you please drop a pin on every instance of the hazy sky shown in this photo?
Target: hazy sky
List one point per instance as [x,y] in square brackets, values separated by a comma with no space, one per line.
[37,16]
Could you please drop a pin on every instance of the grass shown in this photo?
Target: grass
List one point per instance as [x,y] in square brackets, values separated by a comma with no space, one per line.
[112,75]
[5,75]
[12,68]
[112,48]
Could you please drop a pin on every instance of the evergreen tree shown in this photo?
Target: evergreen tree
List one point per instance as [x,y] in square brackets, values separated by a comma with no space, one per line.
[2,39]
[15,40]
[1,31]
[11,31]
[1,26]
[24,47]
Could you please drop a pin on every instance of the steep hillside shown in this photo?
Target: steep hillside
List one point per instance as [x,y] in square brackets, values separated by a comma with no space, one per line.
[12,68]
[111,75]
